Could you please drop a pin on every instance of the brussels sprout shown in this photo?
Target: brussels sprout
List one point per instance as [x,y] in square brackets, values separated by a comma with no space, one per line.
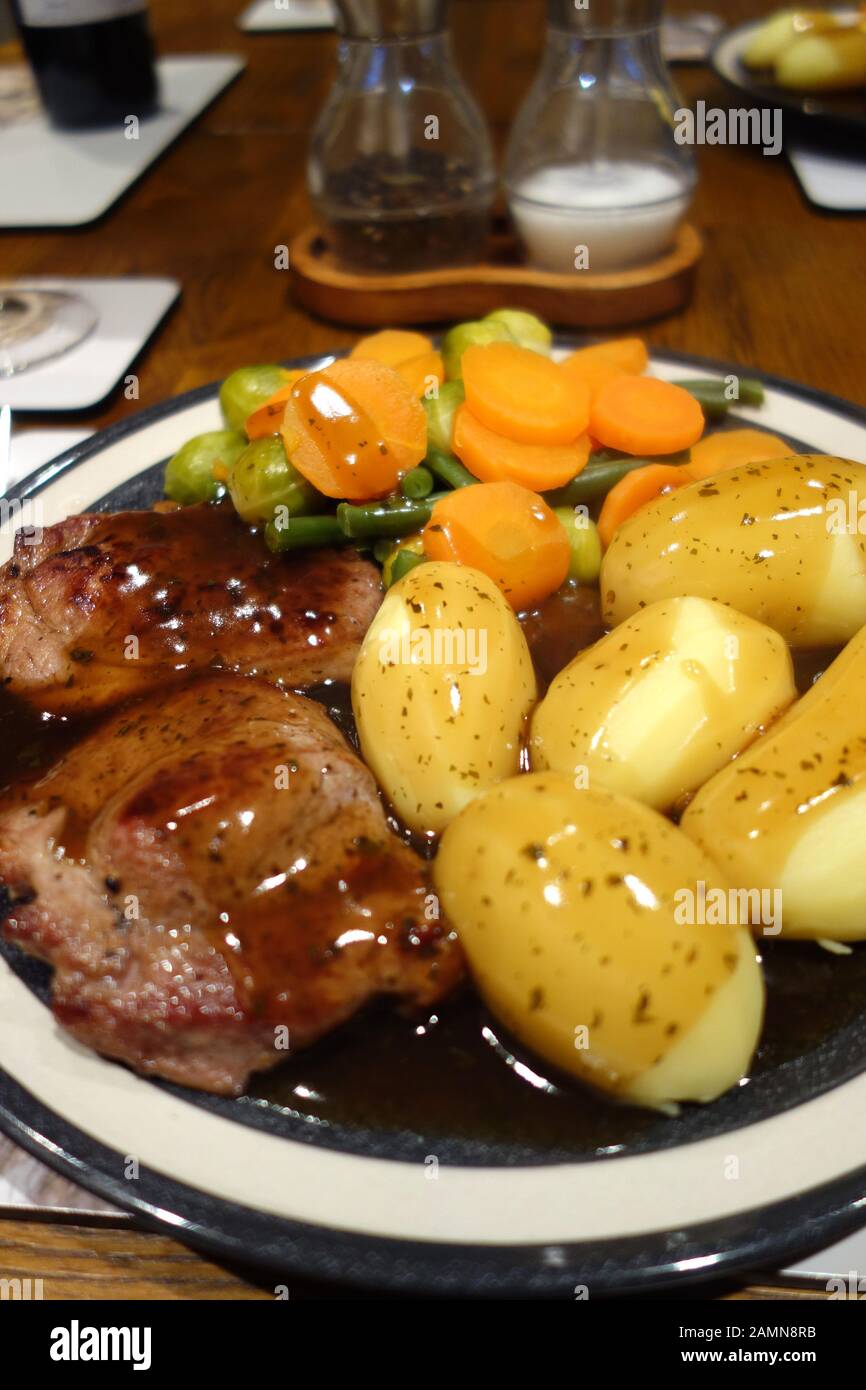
[583,539]
[464,335]
[526,329]
[261,479]
[189,475]
[441,410]
[248,388]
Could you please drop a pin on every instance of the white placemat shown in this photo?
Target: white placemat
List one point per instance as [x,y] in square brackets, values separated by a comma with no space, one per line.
[54,178]
[831,180]
[30,450]
[287,14]
[129,311]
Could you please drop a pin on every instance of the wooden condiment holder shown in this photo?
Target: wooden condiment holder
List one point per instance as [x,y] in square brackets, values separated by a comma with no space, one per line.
[326,287]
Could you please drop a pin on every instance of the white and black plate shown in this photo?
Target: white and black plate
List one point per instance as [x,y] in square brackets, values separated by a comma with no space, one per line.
[608,1197]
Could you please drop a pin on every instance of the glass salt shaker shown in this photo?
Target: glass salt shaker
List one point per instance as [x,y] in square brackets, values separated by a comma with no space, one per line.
[594,175]
[400,166]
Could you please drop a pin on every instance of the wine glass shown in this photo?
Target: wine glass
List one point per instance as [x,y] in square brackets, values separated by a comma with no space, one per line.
[37,325]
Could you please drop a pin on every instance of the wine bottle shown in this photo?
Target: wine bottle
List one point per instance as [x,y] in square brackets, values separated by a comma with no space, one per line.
[92,59]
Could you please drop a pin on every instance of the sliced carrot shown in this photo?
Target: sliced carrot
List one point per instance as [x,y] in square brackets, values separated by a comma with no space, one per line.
[733,449]
[634,490]
[492,458]
[268,417]
[604,362]
[392,346]
[523,395]
[420,372]
[640,415]
[353,429]
[507,532]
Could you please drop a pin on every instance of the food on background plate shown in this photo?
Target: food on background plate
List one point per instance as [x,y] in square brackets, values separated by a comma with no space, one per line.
[810,50]
[662,702]
[210,866]
[762,539]
[442,688]
[792,810]
[565,902]
[449,546]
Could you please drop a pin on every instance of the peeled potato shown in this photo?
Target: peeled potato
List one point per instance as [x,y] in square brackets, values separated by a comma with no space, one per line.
[568,905]
[661,703]
[441,691]
[790,814]
[824,62]
[780,31]
[774,540]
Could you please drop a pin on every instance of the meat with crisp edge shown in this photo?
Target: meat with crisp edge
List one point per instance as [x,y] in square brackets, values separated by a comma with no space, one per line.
[208,867]
[107,606]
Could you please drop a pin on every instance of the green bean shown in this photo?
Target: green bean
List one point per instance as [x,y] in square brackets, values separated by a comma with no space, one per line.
[713,394]
[388,518]
[303,533]
[403,562]
[598,477]
[417,483]
[448,469]
[382,549]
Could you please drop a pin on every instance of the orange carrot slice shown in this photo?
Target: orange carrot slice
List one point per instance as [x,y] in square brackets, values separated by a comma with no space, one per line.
[507,532]
[353,429]
[634,490]
[392,346]
[523,395]
[492,458]
[629,355]
[640,415]
[420,372]
[268,417]
[733,449]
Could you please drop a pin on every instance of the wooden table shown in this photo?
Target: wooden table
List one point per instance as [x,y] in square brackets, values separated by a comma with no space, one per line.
[781,287]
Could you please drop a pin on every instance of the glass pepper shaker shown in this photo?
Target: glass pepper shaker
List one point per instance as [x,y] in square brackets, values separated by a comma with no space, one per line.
[400,166]
[594,176]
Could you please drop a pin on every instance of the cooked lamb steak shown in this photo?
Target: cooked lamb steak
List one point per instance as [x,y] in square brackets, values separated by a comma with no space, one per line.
[209,867]
[108,606]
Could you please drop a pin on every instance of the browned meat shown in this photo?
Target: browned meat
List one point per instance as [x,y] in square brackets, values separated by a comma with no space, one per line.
[107,606]
[208,867]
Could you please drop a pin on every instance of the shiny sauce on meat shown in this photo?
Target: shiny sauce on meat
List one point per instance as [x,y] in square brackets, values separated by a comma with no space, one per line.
[454,1073]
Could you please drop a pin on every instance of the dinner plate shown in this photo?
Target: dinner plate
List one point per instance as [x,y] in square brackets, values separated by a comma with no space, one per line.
[627,1201]
[842,113]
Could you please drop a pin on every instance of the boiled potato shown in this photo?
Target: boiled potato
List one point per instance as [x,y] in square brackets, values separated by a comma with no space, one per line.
[568,905]
[789,816]
[823,63]
[772,540]
[441,691]
[781,30]
[661,703]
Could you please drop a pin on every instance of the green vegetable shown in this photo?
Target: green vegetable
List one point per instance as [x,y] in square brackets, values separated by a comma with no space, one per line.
[189,476]
[369,520]
[303,533]
[584,542]
[712,395]
[599,476]
[448,469]
[526,329]
[441,409]
[417,483]
[248,388]
[464,335]
[261,479]
[402,563]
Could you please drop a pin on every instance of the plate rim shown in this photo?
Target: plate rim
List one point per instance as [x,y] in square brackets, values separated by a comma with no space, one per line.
[774,1231]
